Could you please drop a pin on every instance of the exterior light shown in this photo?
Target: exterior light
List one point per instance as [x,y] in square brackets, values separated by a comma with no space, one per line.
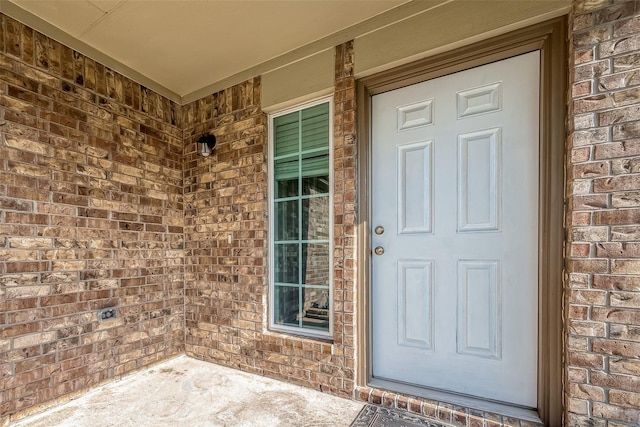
[206,143]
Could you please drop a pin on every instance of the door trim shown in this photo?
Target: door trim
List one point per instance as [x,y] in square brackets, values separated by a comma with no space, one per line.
[549,38]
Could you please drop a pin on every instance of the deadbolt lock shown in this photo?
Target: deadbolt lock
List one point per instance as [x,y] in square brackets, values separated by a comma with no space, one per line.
[379,230]
[379,250]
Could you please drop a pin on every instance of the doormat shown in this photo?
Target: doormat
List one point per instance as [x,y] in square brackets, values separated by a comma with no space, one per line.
[377,416]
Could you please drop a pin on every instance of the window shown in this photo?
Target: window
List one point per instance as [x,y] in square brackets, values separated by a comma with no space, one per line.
[301,220]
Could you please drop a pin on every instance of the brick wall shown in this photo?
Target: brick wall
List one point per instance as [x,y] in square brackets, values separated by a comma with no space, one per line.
[225,197]
[603,250]
[91,216]
[226,283]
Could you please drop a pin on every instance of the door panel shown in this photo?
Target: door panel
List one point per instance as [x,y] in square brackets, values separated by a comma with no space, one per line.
[414,187]
[455,186]
[478,189]
[415,311]
[479,316]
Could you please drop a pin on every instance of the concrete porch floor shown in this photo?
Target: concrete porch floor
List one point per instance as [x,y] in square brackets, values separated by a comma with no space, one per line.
[190,392]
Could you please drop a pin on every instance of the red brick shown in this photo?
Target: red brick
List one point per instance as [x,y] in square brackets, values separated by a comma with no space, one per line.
[625,267]
[625,166]
[580,249]
[576,375]
[590,137]
[617,217]
[620,80]
[620,46]
[625,398]
[415,406]
[594,103]
[591,70]
[445,412]
[592,36]
[619,365]
[619,115]
[590,170]
[579,312]
[581,89]
[577,343]
[590,234]
[590,329]
[403,403]
[581,22]
[625,97]
[588,296]
[588,265]
[622,283]
[625,233]
[593,201]
[610,412]
[617,250]
[616,315]
[583,121]
[588,392]
[617,149]
[583,218]
[580,154]
[627,27]
[615,347]
[617,183]
[388,400]
[621,382]
[614,13]
[625,332]
[586,360]
[578,406]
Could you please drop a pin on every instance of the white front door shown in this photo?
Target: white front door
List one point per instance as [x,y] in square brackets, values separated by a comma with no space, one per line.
[455,224]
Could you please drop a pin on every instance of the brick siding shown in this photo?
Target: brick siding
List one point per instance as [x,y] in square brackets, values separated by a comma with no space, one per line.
[227,284]
[602,297]
[91,216]
[94,212]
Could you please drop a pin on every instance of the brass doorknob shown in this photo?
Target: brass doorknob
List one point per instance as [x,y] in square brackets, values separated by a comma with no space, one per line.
[379,230]
[379,250]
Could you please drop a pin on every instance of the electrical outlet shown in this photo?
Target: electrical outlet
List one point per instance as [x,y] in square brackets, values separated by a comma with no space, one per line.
[106,314]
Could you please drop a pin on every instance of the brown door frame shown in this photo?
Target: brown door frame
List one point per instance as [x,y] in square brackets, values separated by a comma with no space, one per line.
[549,38]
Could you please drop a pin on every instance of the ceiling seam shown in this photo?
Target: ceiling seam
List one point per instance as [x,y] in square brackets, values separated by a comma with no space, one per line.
[394,14]
[40,25]
[102,18]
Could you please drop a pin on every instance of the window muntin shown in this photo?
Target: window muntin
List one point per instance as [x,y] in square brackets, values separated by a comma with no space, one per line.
[301,220]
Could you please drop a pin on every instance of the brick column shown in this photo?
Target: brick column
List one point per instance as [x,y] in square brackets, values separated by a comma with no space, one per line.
[344,205]
[603,188]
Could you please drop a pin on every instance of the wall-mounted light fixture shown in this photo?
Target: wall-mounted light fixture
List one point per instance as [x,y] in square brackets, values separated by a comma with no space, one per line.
[206,143]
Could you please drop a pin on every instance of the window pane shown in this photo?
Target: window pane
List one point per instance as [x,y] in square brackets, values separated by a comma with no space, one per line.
[316,308]
[301,257]
[315,127]
[286,174]
[315,173]
[286,301]
[287,264]
[315,185]
[286,134]
[286,220]
[315,218]
[315,257]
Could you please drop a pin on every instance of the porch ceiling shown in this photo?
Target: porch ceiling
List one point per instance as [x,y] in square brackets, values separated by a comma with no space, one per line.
[187,45]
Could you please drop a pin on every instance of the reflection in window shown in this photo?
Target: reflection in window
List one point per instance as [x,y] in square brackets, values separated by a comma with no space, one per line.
[301,223]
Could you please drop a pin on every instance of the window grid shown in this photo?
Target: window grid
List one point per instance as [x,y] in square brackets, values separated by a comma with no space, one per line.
[299,156]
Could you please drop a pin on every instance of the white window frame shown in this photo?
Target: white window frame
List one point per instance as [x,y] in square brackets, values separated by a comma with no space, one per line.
[271,176]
